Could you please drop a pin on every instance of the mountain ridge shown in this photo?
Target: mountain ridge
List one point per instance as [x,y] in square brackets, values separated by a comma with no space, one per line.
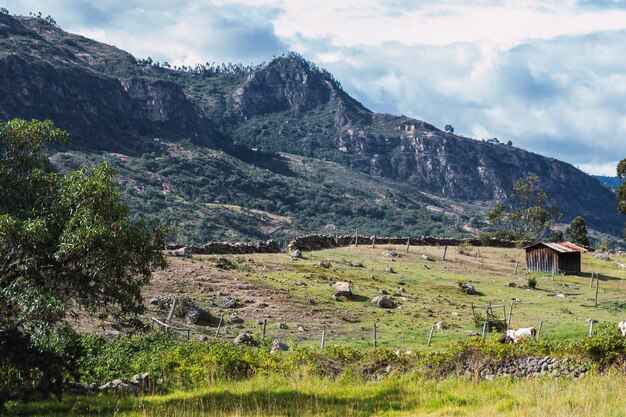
[112,103]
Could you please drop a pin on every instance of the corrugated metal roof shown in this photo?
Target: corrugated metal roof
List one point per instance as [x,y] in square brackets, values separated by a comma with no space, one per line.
[563,247]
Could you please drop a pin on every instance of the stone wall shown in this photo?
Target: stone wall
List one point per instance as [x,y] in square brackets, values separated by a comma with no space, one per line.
[522,367]
[224,248]
[317,242]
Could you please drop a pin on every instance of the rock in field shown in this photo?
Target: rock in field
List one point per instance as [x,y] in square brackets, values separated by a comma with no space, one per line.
[245,339]
[342,289]
[383,302]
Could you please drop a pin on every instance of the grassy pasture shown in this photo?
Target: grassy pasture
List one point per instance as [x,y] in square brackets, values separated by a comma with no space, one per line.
[564,303]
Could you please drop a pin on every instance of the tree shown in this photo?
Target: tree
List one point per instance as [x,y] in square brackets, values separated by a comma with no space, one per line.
[577,231]
[557,237]
[525,215]
[621,190]
[448,128]
[66,244]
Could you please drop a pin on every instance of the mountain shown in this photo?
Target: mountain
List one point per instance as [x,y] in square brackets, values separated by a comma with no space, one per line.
[611,182]
[271,150]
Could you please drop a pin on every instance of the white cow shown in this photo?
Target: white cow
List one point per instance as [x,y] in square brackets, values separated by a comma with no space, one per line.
[622,327]
[515,335]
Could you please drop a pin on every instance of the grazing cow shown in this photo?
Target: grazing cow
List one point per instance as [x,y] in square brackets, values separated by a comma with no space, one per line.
[516,335]
[622,327]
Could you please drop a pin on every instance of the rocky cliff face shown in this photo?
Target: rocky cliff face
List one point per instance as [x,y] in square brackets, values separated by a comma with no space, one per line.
[108,101]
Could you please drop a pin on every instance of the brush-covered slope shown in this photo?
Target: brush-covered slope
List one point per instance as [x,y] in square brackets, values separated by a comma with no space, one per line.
[199,148]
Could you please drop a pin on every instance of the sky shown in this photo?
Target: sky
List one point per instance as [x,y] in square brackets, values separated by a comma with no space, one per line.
[550,76]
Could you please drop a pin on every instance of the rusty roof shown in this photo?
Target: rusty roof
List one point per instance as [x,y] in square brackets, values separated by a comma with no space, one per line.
[562,247]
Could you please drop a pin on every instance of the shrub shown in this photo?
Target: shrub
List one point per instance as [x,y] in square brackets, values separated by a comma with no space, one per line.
[532,282]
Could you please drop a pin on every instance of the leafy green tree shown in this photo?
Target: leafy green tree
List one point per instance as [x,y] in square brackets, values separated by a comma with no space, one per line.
[557,237]
[66,245]
[577,231]
[621,190]
[526,214]
[448,128]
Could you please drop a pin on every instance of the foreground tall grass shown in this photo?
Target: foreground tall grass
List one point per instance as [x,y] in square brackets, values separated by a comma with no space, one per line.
[301,394]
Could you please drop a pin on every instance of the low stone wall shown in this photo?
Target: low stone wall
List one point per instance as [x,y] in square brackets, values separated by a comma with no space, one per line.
[225,248]
[318,242]
[525,367]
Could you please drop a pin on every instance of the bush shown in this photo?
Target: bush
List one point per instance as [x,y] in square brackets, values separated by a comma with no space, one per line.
[532,282]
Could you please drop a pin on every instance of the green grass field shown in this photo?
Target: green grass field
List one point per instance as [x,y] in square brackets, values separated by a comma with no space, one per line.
[564,303]
[305,395]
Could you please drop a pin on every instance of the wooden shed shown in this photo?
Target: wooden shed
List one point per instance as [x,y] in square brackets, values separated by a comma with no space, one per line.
[554,257]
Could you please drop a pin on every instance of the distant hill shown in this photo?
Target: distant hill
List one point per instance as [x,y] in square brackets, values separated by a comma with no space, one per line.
[612,182]
[266,151]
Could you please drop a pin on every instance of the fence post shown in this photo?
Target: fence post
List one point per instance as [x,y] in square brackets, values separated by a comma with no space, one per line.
[508,325]
[356,238]
[539,331]
[172,308]
[516,265]
[374,241]
[595,303]
[591,280]
[408,244]
[591,321]
[375,336]
[323,339]
[264,327]
[484,330]
[445,250]
[430,336]
[219,325]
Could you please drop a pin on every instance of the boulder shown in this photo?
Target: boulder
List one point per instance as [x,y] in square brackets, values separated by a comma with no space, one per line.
[282,326]
[390,270]
[342,289]
[468,289]
[183,252]
[278,346]
[155,301]
[193,313]
[356,264]
[245,339]
[603,256]
[383,302]
[428,258]
[224,263]
[296,254]
[203,338]
[235,319]
[230,302]
[391,254]
[441,325]
[511,284]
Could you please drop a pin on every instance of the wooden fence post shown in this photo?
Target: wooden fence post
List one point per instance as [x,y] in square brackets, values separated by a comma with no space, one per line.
[323,339]
[374,241]
[219,325]
[356,238]
[591,280]
[595,303]
[445,250]
[264,327]
[172,308]
[408,244]
[516,265]
[508,325]
[539,331]
[430,336]
[375,336]
[484,330]
[591,322]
